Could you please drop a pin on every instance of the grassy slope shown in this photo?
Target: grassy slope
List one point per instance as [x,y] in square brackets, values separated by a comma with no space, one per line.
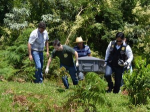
[50,96]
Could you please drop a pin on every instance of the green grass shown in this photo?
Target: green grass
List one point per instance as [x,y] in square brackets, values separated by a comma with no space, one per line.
[51,96]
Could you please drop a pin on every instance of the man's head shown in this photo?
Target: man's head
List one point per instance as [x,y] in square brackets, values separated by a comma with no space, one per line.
[79,42]
[119,38]
[57,45]
[41,26]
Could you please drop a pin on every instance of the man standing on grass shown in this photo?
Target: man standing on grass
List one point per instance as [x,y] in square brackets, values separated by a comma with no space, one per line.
[37,41]
[118,57]
[65,54]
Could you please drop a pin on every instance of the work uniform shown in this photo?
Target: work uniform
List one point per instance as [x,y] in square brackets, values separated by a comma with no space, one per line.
[114,53]
[66,60]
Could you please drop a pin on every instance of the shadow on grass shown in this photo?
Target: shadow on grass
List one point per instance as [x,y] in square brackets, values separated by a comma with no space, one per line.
[60,90]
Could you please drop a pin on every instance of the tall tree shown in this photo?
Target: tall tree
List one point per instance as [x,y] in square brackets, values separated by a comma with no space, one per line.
[5,7]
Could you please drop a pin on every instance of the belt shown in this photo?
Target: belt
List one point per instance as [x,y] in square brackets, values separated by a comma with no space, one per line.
[36,50]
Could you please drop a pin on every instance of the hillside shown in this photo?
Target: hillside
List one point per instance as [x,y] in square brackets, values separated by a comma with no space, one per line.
[51,96]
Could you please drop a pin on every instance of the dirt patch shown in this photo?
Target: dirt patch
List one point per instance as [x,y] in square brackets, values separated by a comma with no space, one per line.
[9,91]
[125,92]
[20,99]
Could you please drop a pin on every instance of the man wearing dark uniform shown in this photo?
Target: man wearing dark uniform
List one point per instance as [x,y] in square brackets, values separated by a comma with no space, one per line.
[118,57]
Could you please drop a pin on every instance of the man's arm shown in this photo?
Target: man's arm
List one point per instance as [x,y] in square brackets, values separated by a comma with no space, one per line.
[31,40]
[129,54]
[89,51]
[47,48]
[76,56]
[89,54]
[48,64]
[107,52]
[29,51]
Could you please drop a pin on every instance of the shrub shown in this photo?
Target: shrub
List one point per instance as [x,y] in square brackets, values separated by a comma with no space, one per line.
[138,84]
[89,92]
[6,70]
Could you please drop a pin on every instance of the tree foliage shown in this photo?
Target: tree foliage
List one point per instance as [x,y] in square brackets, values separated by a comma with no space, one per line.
[5,7]
[97,21]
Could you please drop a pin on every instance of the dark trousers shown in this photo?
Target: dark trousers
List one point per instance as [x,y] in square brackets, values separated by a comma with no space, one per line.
[72,73]
[118,71]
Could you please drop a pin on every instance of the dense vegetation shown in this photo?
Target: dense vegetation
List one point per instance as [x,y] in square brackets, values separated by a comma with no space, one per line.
[97,21]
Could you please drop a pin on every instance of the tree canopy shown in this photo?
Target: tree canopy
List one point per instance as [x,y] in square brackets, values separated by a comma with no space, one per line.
[97,21]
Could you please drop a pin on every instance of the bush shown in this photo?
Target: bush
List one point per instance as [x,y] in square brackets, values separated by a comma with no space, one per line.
[138,84]
[89,92]
[6,70]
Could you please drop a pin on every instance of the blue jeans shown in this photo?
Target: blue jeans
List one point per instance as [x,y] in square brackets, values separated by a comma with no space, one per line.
[118,77]
[72,72]
[38,60]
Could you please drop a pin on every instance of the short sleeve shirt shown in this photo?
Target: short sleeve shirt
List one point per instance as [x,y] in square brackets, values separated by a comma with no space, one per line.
[37,40]
[83,52]
[65,56]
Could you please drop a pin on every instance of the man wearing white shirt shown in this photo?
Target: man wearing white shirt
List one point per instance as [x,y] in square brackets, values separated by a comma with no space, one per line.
[37,41]
[118,56]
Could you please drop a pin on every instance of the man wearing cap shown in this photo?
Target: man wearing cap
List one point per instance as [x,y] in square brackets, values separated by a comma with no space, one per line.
[65,54]
[82,50]
[37,41]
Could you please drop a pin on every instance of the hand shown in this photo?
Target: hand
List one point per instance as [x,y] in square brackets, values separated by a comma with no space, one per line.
[126,64]
[47,54]
[30,57]
[120,62]
[77,64]
[46,70]
[105,64]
